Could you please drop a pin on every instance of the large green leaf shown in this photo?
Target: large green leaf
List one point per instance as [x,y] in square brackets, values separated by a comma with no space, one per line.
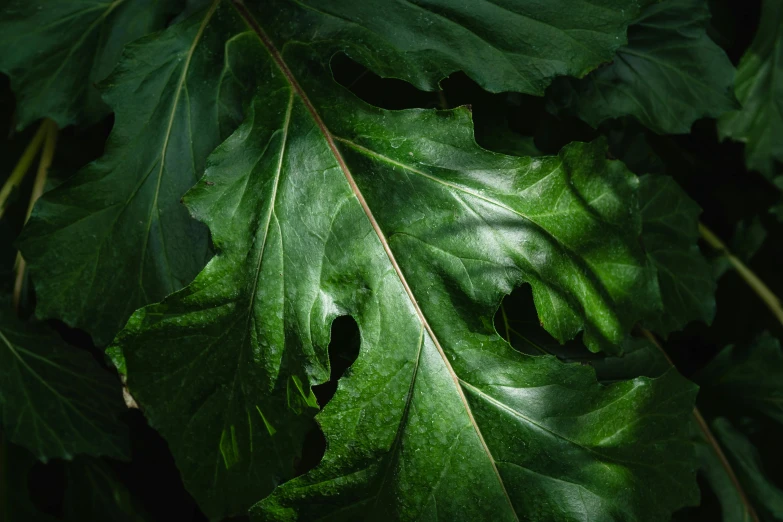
[759,124]
[745,380]
[668,75]
[56,50]
[670,233]
[55,400]
[320,206]
[504,45]
[115,237]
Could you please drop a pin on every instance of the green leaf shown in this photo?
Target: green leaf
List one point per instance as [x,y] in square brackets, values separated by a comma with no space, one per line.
[56,50]
[506,141]
[507,45]
[766,498]
[640,358]
[670,221]
[321,206]
[748,238]
[628,142]
[668,75]
[55,400]
[759,124]
[115,237]
[744,380]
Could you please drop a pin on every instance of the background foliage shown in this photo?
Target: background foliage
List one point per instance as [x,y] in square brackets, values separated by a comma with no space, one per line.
[667,104]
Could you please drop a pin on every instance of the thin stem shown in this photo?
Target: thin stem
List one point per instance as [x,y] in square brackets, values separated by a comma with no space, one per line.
[531,343]
[442,101]
[505,323]
[510,330]
[19,267]
[757,285]
[43,166]
[23,166]
[38,187]
[711,440]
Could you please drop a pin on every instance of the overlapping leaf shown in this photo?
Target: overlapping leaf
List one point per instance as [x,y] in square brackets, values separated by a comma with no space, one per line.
[737,383]
[759,124]
[115,237]
[505,45]
[116,232]
[55,400]
[668,75]
[56,50]
[670,233]
[320,206]
[765,497]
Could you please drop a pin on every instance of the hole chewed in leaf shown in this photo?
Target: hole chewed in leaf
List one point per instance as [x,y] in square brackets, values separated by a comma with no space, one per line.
[343,351]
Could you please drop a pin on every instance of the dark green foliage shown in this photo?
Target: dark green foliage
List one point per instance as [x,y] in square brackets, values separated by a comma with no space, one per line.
[326,309]
[54,399]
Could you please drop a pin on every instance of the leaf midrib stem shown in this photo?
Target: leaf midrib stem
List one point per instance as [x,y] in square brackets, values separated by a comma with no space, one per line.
[288,74]
[758,286]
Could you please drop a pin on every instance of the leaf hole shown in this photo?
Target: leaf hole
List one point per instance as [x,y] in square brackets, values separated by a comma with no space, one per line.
[517,321]
[343,350]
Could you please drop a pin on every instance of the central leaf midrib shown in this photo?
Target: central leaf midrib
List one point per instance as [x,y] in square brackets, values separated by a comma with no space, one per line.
[267,43]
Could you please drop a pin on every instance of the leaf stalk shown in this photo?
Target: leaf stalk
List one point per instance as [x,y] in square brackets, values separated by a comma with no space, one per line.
[757,285]
[23,165]
[49,146]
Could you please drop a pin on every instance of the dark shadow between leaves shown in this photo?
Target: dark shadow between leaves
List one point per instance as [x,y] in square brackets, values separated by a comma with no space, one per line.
[516,320]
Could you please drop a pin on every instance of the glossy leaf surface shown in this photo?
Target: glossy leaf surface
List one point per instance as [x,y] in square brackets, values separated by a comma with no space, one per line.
[117,233]
[55,400]
[320,206]
[59,49]
[668,75]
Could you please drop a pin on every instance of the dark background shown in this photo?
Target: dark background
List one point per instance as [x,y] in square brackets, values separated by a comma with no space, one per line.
[713,174]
